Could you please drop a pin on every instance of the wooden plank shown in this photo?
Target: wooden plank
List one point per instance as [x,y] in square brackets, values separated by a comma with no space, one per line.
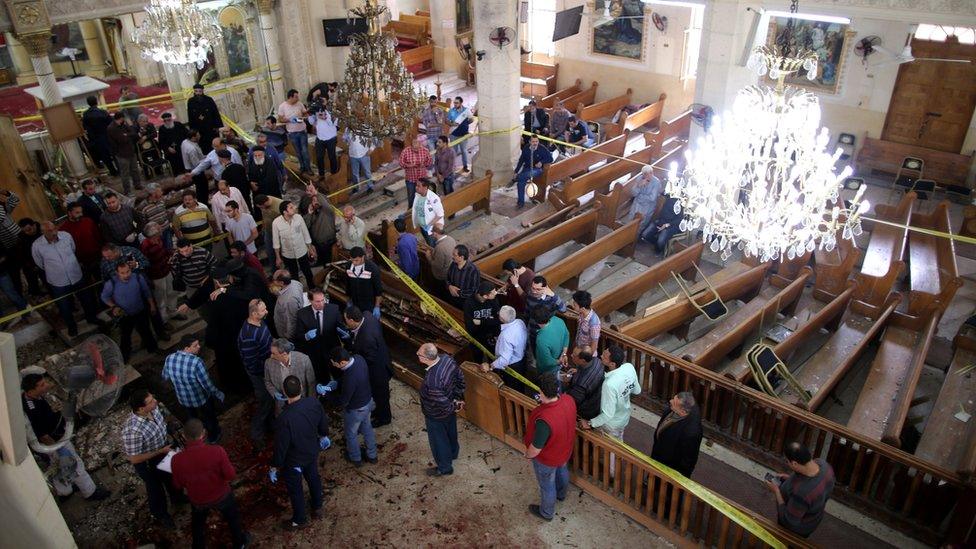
[833,268]
[631,290]
[599,179]
[409,31]
[538,78]
[933,273]
[605,109]
[618,202]
[582,227]
[569,268]
[549,101]
[648,116]
[731,331]
[884,401]
[945,438]
[417,20]
[583,97]
[680,310]
[883,259]
[476,195]
[573,165]
[418,55]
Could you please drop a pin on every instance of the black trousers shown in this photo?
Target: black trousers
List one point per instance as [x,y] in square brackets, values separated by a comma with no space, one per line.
[227,507]
[324,251]
[176,162]
[208,415]
[379,384]
[321,147]
[159,484]
[202,189]
[140,322]
[294,265]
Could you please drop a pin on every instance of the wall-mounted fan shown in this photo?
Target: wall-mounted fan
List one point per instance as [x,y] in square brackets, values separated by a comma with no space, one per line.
[866,47]
[501,36]
[660,21]
[702,114]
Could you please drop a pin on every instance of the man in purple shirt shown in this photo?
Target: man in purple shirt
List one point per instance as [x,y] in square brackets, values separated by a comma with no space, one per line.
[127,294]
[406,250]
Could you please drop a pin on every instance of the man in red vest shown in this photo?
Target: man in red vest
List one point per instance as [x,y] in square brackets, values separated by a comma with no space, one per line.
[549,437]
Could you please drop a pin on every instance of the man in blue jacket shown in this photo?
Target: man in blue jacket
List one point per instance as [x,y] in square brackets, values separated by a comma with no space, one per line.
[354,396]
[301,432]
[530,165]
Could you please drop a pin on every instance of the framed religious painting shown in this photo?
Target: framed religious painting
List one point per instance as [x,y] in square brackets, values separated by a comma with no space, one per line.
[830,41]
[625,36]
[462,21]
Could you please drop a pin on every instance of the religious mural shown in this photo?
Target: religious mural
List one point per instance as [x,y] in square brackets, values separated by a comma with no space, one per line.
[235,41]
[829,41]
[625,36]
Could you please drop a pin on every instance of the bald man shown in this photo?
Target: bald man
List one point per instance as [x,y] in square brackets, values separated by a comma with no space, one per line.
[441,397]
[352,229]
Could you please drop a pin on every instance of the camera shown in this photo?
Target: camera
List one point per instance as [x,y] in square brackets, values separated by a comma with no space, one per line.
[317,104]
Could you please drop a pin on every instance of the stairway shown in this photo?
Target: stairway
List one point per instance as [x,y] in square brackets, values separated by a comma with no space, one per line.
[450,83]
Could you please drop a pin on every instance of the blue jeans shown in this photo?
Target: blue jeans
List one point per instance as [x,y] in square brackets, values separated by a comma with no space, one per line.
[442,436]
[552,485]
[462,149]
[448,184]
[9,290]
[66,307]
[356,422]
[293,481]
[523,178]
[356,164]
[299,140]
[411,192]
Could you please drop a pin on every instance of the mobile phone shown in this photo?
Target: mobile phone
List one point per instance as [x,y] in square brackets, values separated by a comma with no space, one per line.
[769,477]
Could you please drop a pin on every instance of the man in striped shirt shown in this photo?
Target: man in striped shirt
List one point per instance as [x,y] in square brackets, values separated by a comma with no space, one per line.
[194,221]
[153,210]
[801,496]
[254,343]
[463,276]
[8,227]
[190,265]
[441,397]
[194,389]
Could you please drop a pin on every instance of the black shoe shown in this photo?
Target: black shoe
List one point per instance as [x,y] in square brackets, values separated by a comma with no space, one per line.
[435,472]
[167,522]
[316,514]
[362,452]
[350,460]
[534,509]
[560,498]
[99,494]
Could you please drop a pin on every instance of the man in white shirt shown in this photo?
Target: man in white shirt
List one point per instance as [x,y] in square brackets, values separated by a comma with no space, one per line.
[240,225]
[191,151]
[352,229]
[326,130]
[359,148]
[292,243]
[54,253]
[427,209]
[292,114]
[213,163]
[225,193]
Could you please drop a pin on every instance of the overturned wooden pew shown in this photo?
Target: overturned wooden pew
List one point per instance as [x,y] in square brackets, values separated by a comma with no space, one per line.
[883,260]
[582,228]
[625,297]
[733,282]
[566,272]
[731,332]
[932,268]
[580,163]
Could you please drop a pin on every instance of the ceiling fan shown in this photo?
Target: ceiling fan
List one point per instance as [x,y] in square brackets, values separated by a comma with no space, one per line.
[871,44]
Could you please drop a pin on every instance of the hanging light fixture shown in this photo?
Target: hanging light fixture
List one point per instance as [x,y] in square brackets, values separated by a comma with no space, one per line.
[376,97]
[761,180]
[177,32]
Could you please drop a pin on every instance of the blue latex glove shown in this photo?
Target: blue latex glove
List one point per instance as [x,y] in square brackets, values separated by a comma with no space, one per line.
[325,443]
[273,475]
[297,469]
[322,389]
[343,333]
[376,312]
[310,335]
[64,451]
[279,396]
[219,395]
[333,385]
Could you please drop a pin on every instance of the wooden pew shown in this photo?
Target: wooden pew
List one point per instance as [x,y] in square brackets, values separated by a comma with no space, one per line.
[886,156]
[648,116]
[412,34]
[600,179]
[787,270]
[581,228]
[422,13]
[731,331]
[618,201]
[887,394]
[549,101]
[417,56]
[582,97]
[573,165]
[821,373]
[932,264]
[538,78]
[833,268]
[677,129]
[625,296]
[381,155]
[827,318]
[947,441]
[604,110]
[567,271]
[883,260]
[423,21]
[476,194]
[678,310]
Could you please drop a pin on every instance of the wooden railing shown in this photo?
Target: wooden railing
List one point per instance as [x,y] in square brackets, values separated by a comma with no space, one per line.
[926,501]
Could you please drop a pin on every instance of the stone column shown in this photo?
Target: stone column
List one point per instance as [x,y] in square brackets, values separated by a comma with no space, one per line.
[179,79]
[498,91]
[93,47]
[269,37]
[37,45]
[725,31]
[21,60]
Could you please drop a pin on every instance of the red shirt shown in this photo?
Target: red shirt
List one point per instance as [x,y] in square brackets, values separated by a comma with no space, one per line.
[560,416]
[253,262]
[204,471]
[517,301]
[158,257]
[87,237]
[415,161]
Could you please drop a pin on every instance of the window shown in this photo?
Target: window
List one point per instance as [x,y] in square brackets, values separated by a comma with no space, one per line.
[542,20]
[692,43]
[939,33]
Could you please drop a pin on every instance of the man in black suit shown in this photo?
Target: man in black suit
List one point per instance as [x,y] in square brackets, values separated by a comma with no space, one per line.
[316,332]
[678,435]
[535,120]
[367,341]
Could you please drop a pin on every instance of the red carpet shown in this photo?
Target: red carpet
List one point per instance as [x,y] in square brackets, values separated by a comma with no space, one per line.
[15,102]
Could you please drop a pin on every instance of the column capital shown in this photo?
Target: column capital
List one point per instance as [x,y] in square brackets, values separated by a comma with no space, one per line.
[264,6]
[38,44]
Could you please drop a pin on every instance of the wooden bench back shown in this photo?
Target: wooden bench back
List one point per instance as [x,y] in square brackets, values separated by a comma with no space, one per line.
[549,101]
[648,116]
[828,317]
[678,128]
[417,20]
[944,167]
[583,97]
[883,260]
[418,55]
[567,270]
[833,269]
[599,179]
[476,194]
[605,109]
[538,70]
[933,272]
[581,228]
[569,166]
[618,201]
[411,31]
[630,291]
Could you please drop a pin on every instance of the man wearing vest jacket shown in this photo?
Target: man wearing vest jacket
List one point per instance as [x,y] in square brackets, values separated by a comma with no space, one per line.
[549,437]
[441,397]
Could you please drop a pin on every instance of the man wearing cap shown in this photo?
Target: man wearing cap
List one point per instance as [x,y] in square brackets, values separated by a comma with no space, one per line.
[171,136]
[204,116]
[262,174]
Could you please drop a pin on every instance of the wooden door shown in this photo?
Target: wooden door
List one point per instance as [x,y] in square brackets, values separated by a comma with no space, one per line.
[933,101]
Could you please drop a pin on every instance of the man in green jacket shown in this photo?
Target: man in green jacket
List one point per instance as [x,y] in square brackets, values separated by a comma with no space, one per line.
[551,343]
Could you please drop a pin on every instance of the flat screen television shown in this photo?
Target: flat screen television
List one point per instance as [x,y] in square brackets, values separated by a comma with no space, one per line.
[338,32]
[567,23]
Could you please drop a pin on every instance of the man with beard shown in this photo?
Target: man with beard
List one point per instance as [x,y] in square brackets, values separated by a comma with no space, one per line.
[171,136]
[224,312]
[262,174]
[204,116]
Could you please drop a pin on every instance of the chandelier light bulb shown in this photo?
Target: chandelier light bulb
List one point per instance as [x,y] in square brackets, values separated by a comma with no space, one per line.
[177,32]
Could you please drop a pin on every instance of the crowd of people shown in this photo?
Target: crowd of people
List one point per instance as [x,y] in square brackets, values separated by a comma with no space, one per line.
[296,350]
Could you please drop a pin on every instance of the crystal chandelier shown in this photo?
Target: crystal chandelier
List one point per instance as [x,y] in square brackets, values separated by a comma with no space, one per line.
[761,180]
[177,32]
[376,97]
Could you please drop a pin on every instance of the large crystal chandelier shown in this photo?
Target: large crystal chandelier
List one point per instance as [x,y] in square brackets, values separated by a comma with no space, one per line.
[761,180]
[177,32]
[376,97]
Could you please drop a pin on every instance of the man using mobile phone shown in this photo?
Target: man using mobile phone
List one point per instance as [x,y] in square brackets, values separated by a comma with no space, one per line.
[801,496]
